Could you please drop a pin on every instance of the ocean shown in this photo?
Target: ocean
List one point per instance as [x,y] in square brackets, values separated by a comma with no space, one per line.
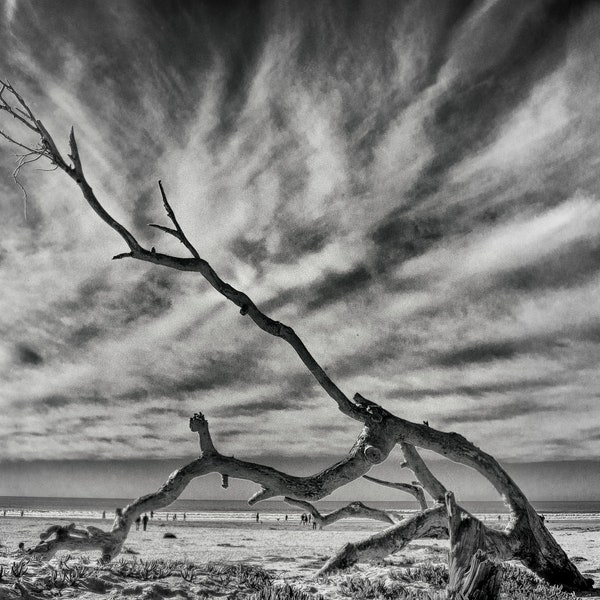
[270,510]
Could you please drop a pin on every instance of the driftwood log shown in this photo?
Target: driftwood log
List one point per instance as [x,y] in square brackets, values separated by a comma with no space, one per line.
[526,538]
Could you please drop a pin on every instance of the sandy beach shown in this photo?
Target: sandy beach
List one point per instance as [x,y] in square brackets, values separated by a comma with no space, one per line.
[291,553]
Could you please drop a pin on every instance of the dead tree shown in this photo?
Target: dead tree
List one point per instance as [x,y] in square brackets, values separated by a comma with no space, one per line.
[526,538]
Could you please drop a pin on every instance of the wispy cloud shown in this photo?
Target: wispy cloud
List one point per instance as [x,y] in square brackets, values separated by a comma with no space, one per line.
[412,187]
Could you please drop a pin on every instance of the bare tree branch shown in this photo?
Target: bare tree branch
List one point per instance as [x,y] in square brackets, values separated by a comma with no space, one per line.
[426,478]
[414,490]
[354,509]
[273,482]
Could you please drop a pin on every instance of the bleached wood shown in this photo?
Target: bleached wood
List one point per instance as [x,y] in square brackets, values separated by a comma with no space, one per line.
[409,488]
[386,542]
[354,509]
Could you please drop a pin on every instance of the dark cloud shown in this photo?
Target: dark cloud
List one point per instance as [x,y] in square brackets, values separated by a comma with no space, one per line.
[570,267]
[472,391]
[331,287]
[253,408]
[28,355]
[483,352]
[483,412]
[399,237]
[296,390]
[55,401]
[80,337]
[302,239]
[253,252]
[338,286]
[386,349]
[93,420]
[478,353]
[150,297]
[351,49]
[172,411]
[494,82]
[218,370]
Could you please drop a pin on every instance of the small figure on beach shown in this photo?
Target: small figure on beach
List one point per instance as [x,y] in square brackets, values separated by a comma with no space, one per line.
[184,516]
[167,516]
[145,522]
[152,514]
[286,517]
[309,517]
[174,516]
[4,513]
[22,512]
[257,517]
[104,514]
[314,524]
[137,523]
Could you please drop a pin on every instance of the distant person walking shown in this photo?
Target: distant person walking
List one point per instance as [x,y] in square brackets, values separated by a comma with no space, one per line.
[145,522]
[152,514]
[137,523]
[104,514]
[257,517]
[22,512]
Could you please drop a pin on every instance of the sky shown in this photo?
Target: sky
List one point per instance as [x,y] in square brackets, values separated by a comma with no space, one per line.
[412,186]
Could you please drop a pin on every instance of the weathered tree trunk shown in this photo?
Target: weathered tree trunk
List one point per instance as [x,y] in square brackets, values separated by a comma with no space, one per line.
[471,575]
[481,581]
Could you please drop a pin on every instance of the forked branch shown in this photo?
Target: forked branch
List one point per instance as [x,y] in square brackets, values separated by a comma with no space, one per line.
[354,509]
[272,481]
[413,490]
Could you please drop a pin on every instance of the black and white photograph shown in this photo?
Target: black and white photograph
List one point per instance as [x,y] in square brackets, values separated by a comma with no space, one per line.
[300,299]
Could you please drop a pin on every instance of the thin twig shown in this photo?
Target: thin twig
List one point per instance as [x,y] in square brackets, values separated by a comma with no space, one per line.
[179,232]
[21,163]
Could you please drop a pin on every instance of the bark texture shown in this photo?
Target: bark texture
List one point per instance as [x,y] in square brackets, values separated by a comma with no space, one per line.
[472,576]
